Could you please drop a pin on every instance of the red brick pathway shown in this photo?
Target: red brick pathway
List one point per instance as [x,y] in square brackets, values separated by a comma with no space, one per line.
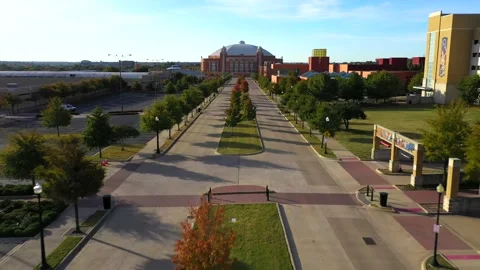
[421,228]
[423,196]
[363,174]
[119,177]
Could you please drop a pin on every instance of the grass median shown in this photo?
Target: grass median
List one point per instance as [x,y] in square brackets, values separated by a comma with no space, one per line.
[243,139]
[260,241]
[93,218]
[58,254]
[115,152]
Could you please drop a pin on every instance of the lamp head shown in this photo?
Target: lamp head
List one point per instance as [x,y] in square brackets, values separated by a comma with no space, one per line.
[440,188]
[37,189]
[156,118]
[327,119]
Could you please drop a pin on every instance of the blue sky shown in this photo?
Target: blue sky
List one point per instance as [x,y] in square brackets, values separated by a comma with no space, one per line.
[185,30]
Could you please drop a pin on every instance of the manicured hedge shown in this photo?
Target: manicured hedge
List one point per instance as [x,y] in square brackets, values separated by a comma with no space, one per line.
[16,190]
[20,218]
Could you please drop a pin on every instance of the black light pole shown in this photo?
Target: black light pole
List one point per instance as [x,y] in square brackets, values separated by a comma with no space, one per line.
[37,189]
[158,148]
[324,130]
[120,56]
[440,191]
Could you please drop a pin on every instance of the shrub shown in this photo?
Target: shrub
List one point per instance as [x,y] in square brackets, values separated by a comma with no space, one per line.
[16,190]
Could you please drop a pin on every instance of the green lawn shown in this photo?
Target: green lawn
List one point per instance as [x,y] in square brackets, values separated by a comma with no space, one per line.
[312,139]
[406,119]
[94,218]
[114,152]
[444,264]
[242,139]
[260,241]
[57,255]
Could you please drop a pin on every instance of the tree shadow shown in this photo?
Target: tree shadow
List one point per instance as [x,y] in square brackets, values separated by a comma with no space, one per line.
[291,241]
[281,130]
[411,135]
[286,141]
[360,140]
[240,265]
[156,264]
[360,132]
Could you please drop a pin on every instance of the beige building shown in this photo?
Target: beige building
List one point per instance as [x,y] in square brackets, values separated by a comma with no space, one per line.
[453,52]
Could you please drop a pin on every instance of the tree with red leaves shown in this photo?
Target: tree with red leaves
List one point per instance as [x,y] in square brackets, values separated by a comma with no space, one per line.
[208,244]
[244,86]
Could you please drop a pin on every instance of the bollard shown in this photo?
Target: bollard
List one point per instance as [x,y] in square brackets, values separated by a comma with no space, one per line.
[267,192]
[371,195]
[368,189]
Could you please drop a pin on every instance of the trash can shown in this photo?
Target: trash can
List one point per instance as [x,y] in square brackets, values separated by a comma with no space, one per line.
[107,201]
[199,109]
[383,199]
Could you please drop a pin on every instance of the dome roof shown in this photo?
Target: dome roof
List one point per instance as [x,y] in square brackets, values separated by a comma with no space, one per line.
[242,49]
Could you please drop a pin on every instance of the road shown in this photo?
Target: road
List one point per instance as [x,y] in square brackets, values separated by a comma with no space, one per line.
[322,232]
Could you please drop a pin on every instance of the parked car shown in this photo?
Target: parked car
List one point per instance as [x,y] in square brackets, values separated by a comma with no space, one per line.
[69,107]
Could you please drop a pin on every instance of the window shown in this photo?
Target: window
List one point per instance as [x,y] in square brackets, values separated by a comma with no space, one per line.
[431,56]
[475,42]
[474,54]
[473,67]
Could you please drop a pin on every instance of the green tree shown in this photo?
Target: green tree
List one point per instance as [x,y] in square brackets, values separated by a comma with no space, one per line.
[472,153]
[349,111]
[25,152]
[294,105]
[12,100]
[69,174]
[322,87]
[469,88]
[175,109]
[55,116]
[123,132]
[248,110]
[64,90]
[34,97]
[329,127]
[193,97]
[352,87]
[158,110]
[446,134]
[98,132]
[170,88]
[255,76]
[382,85]
[137,86]
[308,105]
[417,80]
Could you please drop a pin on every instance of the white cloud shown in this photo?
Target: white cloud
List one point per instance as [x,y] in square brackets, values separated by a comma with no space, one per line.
[295,9]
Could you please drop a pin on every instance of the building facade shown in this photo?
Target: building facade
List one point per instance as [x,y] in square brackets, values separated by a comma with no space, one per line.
[238,59]
[452,53]
[319,52]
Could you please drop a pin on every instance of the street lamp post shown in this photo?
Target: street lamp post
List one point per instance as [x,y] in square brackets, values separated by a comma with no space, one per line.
[440,191]
[158,147]
[324,130]
[119,57]
[37,190]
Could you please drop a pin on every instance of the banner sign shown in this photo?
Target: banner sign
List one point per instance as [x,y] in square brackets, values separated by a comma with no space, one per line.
[384,134]
[404,143]
[443,57]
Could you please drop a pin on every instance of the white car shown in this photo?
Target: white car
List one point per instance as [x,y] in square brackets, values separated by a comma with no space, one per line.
[69,107]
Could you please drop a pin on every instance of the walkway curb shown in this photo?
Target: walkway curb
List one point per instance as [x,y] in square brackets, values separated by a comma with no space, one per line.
[78,248]
[286,237]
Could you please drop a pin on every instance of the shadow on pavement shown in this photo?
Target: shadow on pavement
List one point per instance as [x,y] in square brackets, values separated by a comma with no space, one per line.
[155,264]
[291,242]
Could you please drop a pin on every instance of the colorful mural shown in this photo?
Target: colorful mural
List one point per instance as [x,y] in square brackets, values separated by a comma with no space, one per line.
[443,57]
[404,143]
[384,134]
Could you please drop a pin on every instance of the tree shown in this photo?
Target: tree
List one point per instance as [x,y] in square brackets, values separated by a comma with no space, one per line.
[111,69]
[255,76]
[469,88]
[294,104]
[25,152]
[352,87]
[170,88]
[12,100]
[63,89]
[175,109]
[137,86]
[193,97]
[349,111]
[248,110]
[472,153]
[322,87]
[122,132]
[308,105]
[417,80]
[69,175]
[34,97]
[55,116]
[446,134]
[208,244]
[382,85]
[158,109]
[98,132]
[330,127]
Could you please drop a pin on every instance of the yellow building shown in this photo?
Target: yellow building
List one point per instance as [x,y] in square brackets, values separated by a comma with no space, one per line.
[319,52]
[453,52]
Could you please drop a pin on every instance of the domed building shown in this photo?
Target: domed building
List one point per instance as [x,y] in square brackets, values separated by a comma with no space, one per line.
[238,59]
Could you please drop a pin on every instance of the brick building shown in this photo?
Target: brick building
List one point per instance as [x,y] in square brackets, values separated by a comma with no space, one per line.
[238,59]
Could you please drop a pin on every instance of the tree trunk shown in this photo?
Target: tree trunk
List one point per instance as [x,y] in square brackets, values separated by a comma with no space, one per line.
[77,221]
[33,180]
[178,126]
[445,166]
[346,124]
[122,143]
[310,131]
[100,152]
[58,132]
[169,133]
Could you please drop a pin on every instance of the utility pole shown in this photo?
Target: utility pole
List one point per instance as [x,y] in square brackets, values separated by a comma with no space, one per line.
[119,57]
